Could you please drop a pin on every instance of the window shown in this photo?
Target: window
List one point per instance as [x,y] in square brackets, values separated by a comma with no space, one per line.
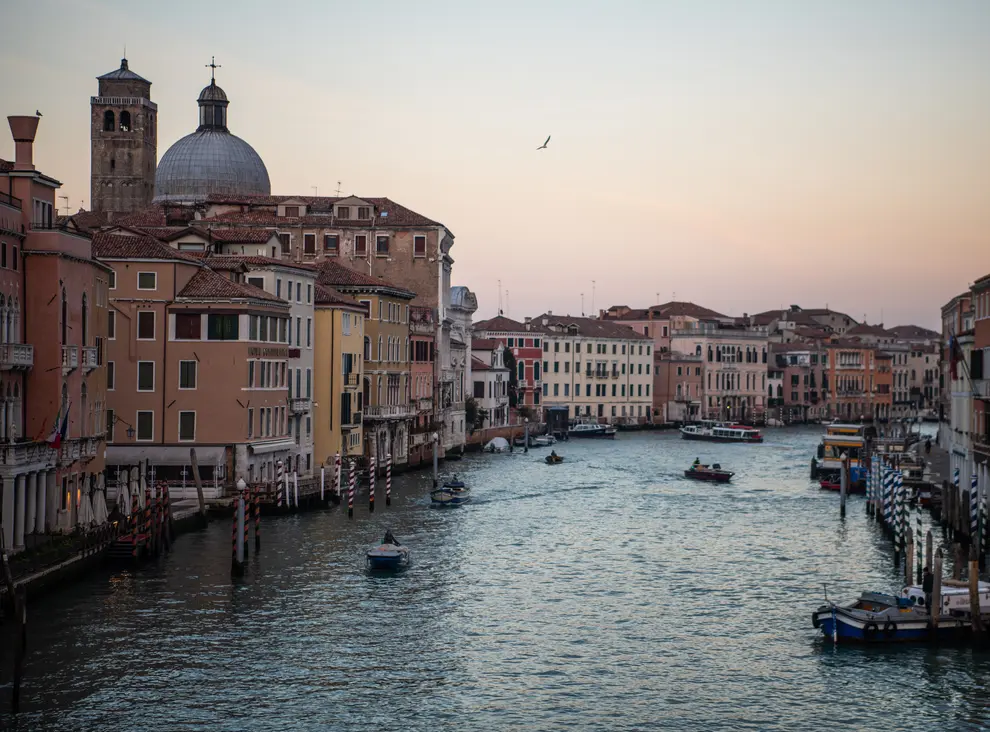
[309,332]
[364,212]
[221,327]
[111,375]
[556,389]
[343,212]
[258,282]
[309,294]
[250,432]
[285,240]
[381,246]
[331,244]
[278,288]
[309,383]
[360,244]
[146,325]
[309,243]
[187,374]
[111,420]
[146,376]
[419,246]
[111,324]
[187,326]
[187,426]
[147,281]
[125,121]
[145,426]
[299,292]
[298,332]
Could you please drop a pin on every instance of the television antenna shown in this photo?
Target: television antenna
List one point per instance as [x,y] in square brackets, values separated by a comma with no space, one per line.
[338,189]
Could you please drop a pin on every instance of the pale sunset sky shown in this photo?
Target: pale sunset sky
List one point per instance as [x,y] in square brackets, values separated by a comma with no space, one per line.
[745,154]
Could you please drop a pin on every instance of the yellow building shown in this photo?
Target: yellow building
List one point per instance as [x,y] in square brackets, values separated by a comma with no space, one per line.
[339,365]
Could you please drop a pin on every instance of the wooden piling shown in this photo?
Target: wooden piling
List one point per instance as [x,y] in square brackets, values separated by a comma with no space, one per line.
[974,591]
[350,492]
[199,483]
[936,607]
[526,437]
[257,519]
[388,479]
[435,458]
[246,527]
[323,480]
[958,559]
[372,471]
[843,485]
[908,556]
[237,558]
[929,540]
[919,549]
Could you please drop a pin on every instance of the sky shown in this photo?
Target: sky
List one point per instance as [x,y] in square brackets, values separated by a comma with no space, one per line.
[745,154]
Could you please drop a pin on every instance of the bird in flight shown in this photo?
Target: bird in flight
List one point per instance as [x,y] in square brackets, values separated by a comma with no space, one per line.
[544,145]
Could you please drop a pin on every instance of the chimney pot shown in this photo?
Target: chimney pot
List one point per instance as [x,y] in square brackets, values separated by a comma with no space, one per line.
[23,128]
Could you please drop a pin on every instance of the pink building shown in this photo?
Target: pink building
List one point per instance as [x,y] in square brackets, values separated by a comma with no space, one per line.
[525,342]
[54,295]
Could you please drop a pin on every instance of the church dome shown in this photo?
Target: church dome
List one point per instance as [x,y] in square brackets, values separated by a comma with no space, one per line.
[210,160]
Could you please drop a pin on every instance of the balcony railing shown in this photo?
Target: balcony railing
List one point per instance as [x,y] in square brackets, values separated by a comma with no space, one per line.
[10,200]
[70,359]
[299,405]
[351,379]
[615,374]
[90,358]
[16,356]
[349,421]
[424,405]
[389,411]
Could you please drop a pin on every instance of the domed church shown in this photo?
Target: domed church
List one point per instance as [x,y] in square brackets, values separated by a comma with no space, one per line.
[210,160]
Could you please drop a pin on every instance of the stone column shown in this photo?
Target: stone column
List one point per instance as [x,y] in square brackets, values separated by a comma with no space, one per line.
[51,514]
[41,501]
[7,512]
[32,502]
[20,505]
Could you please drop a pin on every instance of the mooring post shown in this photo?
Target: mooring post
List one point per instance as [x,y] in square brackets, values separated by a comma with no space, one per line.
[199,483]
[526,434]
[242,490]
[295,487]
[929,541]
[908,555]
[843,485]
[435,448]
[257,518]
[323,478]
[236,550]
[920,549]
[337,475]
[388,479]
[371,484]
[350,492]
[974,591]
[958,559]
[936,607]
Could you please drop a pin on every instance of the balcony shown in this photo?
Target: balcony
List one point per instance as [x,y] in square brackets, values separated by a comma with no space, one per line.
[981,388]
[424,405]
[70,359]
[350,421]
[351,379]
[90,358]
[299,405]
[615,374]
[24,453]
[390,411]
[88,448]
[70,451]
[588,374]
[16,356]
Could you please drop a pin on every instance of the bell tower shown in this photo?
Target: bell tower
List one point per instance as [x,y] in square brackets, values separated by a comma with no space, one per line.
[124,139]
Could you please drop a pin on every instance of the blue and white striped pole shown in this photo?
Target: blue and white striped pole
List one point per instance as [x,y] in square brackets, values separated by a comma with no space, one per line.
[898,516]
[974,513]
[869,491]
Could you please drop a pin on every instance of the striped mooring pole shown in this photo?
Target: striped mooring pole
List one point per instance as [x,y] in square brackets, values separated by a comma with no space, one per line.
[279,483]
[146,529]
[371,484]
[869,491]
[336,474]
[920,545]
[901,513]
[388,479]
[350,492]
[135,518]
[234,565]
[257,518]
[974,513]
[246,497]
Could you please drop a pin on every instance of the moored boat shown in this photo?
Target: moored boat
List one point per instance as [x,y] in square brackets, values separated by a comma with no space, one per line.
[389,555]
[553,459]
[827,484]
[592,430]
[452,493]
[713,474]
[721,433]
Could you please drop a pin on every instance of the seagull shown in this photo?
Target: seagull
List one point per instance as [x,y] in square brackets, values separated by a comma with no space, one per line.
[544,145]
[37,113]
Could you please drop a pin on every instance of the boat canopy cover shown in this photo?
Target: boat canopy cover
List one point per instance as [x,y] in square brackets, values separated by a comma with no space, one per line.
[498,443]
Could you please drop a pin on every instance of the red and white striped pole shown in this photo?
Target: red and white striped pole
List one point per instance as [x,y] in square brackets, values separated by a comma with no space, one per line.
[336,478]
[350,493]
[388,479]
[371,486]
[279,488]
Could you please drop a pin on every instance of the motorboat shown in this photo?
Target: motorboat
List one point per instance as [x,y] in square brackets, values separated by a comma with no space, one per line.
[838,440]
[497,444]
[554,459]
[592,430]
[721,433]
[542,441]
[829,484]
[712,474]
[452,493]
[389,555]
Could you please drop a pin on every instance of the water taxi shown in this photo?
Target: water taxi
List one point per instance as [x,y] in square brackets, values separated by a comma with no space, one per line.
[713,474]
[717,432]
[452,493]
[839,439]
[592,430]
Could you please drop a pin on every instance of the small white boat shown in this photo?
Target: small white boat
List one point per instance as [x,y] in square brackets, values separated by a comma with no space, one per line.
[592,430]
[452,493]
[498,444]
[543,441]
[389,555]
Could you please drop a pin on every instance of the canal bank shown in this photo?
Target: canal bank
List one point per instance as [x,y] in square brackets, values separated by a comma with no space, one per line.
[605,593]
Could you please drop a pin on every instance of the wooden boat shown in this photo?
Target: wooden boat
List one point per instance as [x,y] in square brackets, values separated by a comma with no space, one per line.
[827,484]
[592,430]
[390,555]
[554,459]
[713,474]
[452,493]
[721,433]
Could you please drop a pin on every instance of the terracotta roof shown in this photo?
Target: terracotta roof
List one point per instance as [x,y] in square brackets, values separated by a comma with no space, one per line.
[239,235]
[478,365]
[167,233]
[141,246]
[865,329]
[156,215]
[85,220]
[820,312]
[207,284]
[502,324]
[589,327]
[793,316]
[397,215]
[215,260]
[328,296]
[337,275]
[913,332]
[631,314]
[484,344]
[689,309]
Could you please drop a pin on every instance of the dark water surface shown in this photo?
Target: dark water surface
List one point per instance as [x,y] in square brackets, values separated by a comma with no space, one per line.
[605,593]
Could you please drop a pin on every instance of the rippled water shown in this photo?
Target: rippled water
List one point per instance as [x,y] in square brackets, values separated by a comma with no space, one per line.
[604,593]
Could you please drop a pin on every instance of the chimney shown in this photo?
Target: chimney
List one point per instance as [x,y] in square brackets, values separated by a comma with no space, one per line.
[23,129]
[527,320]
[549,312]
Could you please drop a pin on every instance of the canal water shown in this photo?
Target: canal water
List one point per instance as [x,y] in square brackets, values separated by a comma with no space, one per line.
[606,593]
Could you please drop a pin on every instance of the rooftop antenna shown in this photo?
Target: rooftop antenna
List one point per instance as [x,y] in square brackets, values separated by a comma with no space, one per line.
[582,304]
[500,297]
[213,66]
[338,189]
[66,199]
[508,310]
[593,311]
[316,191]
[658,298]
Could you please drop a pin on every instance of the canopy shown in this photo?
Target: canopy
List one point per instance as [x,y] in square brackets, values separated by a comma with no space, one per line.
[497,444]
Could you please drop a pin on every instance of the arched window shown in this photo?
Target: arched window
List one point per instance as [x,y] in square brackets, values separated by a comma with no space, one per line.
[697,350]
[65,318]
[125,121]
[780,391]
[367,348]
[84,408]
[65,395]
[85,320]
[108,122]
[380,356]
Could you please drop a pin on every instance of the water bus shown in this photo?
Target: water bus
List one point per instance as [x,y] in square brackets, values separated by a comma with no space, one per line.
[719,432]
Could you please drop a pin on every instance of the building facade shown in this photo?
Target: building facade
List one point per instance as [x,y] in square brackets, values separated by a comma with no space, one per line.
[490,382]
[677,384]
[53,330]
[599,370]
[422,367]
[525,342]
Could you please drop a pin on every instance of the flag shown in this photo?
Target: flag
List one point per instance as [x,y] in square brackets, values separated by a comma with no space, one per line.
[53,435]
[60,430]
[954,356]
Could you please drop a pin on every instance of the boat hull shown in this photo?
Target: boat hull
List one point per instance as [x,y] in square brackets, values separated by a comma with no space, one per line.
[861,628]
[709,476]
[386,558]
[714,438]
[443,498]
[603,435]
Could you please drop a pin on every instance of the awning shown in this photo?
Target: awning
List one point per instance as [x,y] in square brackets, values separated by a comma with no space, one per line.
[259,448]
[163,454]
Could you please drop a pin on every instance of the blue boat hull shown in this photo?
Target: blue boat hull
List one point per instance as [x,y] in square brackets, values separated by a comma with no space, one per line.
[384,563]
[853,629]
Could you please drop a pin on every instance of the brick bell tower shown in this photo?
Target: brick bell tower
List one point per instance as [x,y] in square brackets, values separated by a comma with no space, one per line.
[124,137]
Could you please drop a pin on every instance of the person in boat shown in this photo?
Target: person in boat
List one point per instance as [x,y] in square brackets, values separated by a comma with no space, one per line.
[553,454]
[927,586]
[696,463]
[390,539]
[928,446]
